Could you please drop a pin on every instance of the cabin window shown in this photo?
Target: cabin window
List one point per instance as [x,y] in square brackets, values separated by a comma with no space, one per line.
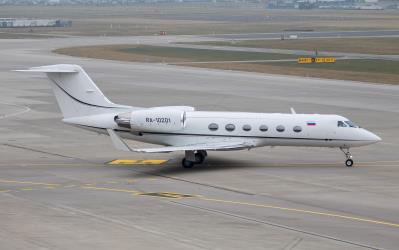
[280,128]
[213,127]
[341,124]
[263,128]
[297,129]
[230,127]
[246,127]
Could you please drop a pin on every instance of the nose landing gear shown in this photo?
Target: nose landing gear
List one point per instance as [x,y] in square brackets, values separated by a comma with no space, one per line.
[348,155]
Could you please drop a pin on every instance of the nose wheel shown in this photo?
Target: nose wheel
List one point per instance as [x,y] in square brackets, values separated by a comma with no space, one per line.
[348,155]
[349,163]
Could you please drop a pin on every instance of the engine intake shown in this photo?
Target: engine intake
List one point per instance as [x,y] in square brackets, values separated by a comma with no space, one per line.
[154,120]
[123,120]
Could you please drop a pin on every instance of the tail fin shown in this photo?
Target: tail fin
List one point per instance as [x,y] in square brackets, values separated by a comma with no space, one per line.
[76,93]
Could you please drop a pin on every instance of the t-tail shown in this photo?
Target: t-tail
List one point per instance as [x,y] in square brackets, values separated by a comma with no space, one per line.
[76,93]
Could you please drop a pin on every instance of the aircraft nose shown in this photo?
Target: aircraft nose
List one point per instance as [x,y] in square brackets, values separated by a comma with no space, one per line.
[372,137]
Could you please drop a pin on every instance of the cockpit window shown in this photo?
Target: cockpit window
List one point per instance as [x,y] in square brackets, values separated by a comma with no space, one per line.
[347,124]
[351,124]
[341,124]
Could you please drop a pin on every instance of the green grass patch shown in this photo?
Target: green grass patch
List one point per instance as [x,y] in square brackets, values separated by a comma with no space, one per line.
[385,45]
[201,55]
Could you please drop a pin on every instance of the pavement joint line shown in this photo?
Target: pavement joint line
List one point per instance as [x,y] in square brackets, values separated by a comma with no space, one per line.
[29,182]
[53,164]
[371,162]
[69,186]
[204,184]
[386,223]
[181,196]
[277,225]
[199,197]
[24,107]
[43,152]
[366,165]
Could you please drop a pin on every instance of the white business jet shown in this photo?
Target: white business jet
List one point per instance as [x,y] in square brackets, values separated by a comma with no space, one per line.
[182,128]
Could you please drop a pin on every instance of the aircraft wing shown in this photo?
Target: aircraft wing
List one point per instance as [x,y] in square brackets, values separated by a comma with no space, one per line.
[199,146]
[231,145]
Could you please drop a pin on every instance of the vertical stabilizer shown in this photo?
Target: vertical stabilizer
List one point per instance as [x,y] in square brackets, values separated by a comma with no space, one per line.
[76,93]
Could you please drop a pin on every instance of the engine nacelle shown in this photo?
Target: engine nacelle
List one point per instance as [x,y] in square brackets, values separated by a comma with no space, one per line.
[155,120]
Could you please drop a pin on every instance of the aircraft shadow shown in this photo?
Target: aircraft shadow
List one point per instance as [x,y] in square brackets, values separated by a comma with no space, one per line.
[173,166]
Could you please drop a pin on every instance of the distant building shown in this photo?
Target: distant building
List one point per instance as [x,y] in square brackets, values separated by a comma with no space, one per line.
[22,23]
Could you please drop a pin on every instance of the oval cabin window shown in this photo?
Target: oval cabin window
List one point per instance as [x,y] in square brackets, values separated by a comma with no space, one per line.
[246,127]
[213,127]
[297,129]
[280,128]
[230,127]
[263,128]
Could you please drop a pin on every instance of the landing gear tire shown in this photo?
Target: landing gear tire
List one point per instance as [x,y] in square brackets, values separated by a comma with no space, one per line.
[187,164]
[348,155]
[349,163]
[199,158]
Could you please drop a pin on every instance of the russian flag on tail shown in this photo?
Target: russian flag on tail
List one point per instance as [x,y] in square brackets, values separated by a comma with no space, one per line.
[311,123]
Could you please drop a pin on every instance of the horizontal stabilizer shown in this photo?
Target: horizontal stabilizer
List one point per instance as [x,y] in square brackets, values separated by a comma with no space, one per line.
[59,68]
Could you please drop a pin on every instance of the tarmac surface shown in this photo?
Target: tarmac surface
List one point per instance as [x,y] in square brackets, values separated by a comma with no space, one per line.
[57,190]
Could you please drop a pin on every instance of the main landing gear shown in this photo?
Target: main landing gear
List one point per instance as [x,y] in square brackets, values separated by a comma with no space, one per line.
[348,155]
[193,157]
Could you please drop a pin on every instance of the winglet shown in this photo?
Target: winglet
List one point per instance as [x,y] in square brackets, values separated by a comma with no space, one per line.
[292,110]
[117,141]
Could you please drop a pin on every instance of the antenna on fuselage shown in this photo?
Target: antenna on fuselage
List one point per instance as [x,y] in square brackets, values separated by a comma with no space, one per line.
[292,110]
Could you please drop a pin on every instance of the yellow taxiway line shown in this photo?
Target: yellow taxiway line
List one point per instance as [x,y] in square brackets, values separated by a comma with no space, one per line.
[304,211]
[29,182]
[136,162]
[172,195]
[112,189]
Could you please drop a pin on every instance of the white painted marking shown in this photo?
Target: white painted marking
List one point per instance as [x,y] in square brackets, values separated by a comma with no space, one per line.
[25,110]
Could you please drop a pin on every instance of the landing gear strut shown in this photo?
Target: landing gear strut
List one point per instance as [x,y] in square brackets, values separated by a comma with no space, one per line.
[192,158]
[348,155]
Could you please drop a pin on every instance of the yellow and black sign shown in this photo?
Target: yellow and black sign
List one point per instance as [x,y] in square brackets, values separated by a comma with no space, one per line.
[304,60]
[136,162]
